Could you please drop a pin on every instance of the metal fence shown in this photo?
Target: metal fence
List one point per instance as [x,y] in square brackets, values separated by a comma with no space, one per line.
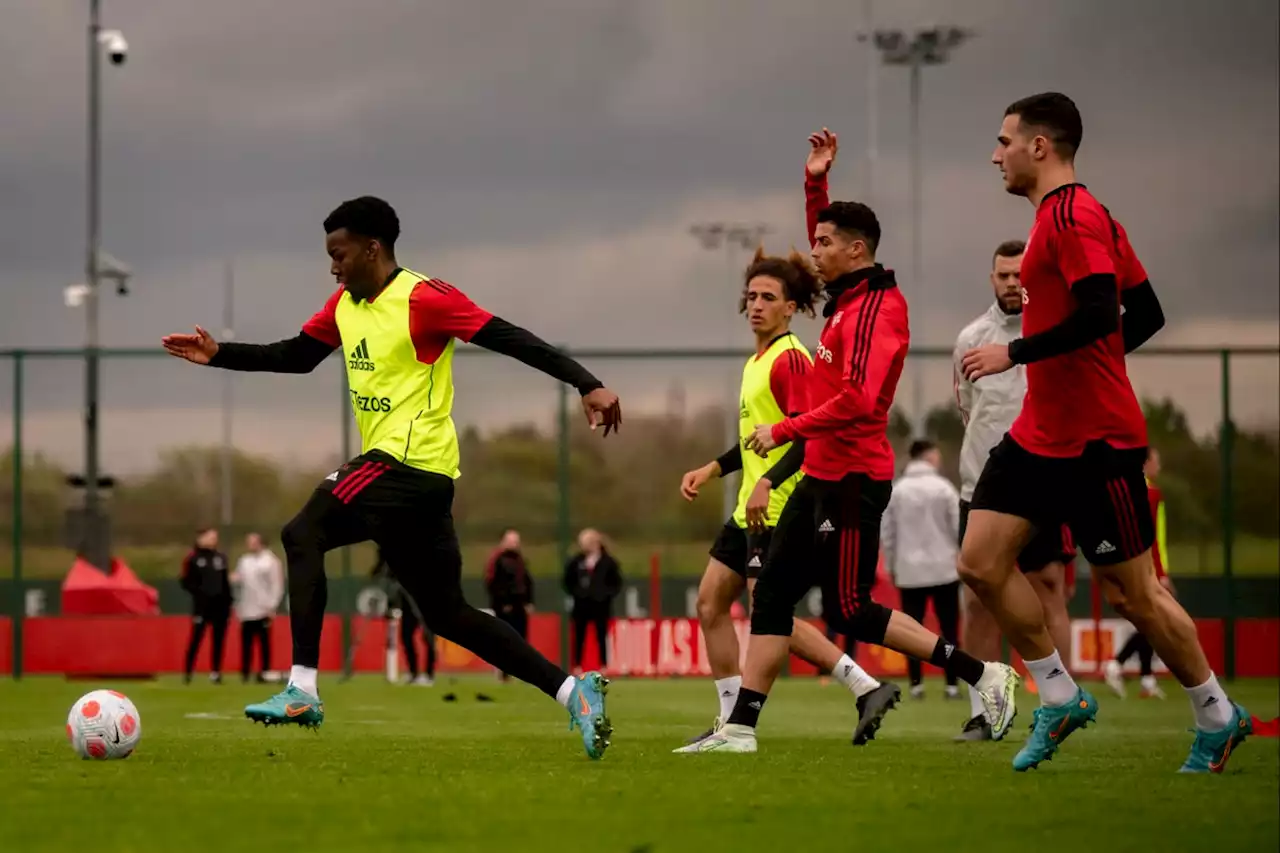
[192,446]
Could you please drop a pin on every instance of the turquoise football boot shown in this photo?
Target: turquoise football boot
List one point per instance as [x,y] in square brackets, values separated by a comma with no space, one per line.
[1051,725]
[587,712]
[293,706]
[1210,751]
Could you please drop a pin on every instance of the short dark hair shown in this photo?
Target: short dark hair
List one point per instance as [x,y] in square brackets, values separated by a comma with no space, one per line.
[366,216]
[854,218]
[1009,249]
[800,284]
[920,447]
[1055,115]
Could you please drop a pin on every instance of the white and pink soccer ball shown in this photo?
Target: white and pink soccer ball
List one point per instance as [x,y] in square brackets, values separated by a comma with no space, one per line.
[104,724]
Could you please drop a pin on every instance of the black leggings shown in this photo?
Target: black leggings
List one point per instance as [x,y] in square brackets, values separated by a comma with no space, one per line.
[584,617]
[1139,644]
[251,631]
[408,513]
[218,622]
[946,604]
[409,625]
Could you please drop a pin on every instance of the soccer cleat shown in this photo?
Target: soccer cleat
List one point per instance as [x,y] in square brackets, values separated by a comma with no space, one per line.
[1051,725]
[1114,676]
[998,688]
[917,691]
[292,706]
[871,710]
[732,737]
[952,692]
[715,727]
[976,729]
[587,712]
[1210,750]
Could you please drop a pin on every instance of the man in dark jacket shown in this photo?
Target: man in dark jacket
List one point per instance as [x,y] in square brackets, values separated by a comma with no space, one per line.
[594,579]
[509,584]
[205,578]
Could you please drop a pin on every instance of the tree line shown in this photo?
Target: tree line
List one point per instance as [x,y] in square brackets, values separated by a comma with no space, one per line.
[626,486]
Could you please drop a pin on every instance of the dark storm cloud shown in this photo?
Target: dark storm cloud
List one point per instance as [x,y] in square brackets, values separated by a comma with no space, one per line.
[550,156]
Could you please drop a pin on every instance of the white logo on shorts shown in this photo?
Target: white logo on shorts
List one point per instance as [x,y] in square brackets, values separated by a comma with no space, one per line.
[333,476]
[1105,548]
[826,526]
[754,563]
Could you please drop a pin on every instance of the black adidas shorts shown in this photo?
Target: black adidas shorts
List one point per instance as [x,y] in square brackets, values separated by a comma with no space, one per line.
[1049,545]
[1100,495]
[741,551]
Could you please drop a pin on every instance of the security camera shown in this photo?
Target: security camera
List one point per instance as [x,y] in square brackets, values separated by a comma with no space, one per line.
[117,48]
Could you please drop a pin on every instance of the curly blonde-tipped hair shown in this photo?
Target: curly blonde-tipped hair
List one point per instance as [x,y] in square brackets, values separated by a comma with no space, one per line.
[800,284]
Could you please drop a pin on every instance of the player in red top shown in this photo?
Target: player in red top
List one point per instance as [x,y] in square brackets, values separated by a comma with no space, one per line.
[1081,429]
[828,533]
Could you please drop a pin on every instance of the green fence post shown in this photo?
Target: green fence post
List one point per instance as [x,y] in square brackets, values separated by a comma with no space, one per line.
[19,596]
[562,515]
[1226,454]
[346,552]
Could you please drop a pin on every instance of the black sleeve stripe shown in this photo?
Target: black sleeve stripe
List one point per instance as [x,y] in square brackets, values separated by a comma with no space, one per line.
[865,333]
[439,286]
[1064,211]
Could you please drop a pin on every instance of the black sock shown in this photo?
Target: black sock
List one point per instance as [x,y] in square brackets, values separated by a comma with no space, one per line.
[746,711]
[957,663]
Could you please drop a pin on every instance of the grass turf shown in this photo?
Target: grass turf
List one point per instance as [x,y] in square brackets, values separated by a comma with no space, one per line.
[397,768]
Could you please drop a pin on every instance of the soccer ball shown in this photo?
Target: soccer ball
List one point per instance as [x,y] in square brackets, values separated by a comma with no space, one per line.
[104,724]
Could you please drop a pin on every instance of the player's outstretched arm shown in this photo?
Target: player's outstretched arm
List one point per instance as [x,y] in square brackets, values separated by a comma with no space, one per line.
[601,405]
[300,354]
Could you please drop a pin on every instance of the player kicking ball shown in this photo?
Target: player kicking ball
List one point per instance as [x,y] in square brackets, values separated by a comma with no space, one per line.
[397,329]
[1081,431]
[774,386]
[828,533]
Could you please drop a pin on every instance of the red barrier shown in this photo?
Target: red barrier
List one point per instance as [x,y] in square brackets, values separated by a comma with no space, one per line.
[6,642]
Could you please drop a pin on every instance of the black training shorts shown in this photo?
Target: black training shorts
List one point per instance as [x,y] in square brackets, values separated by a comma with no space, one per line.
[740,550]
[1048,545]
[1100,495]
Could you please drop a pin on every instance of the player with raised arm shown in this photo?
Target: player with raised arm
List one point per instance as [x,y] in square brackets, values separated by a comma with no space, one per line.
[1076,452]
[988,408]
[828,533]
[397,330]
[774,386]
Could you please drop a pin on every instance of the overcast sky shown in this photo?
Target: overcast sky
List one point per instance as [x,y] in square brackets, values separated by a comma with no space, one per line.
[549,157]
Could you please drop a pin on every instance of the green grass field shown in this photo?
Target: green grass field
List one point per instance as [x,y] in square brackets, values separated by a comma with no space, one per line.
[397,768]
[1252,557]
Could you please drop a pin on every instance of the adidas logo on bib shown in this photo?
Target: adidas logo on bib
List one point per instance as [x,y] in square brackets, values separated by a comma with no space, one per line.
[359,358]
[1105,548]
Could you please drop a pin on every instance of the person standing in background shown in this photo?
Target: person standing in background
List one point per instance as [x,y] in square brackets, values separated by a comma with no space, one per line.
[404,609]
[919,533]
[509,584]
[1137,644]
[259,583]
[593,578]
[204,577]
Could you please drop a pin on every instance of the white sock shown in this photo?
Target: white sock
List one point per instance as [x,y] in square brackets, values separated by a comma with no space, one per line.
[304,678]
[566,690]
[727,691]
[1211,706]
[1055,684]
[976,708]
[854,677]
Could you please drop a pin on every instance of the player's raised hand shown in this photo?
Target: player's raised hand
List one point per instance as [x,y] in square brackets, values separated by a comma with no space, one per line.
[694,480]
[986,361]
[199,348]
[603,408]
[761,441]
[822,153]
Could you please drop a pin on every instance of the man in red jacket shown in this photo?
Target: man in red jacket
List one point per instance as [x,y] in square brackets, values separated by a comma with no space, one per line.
[828,534]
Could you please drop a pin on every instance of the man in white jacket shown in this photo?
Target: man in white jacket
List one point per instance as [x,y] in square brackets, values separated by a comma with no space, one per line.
[259,583]
[989,407]
[919,535]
